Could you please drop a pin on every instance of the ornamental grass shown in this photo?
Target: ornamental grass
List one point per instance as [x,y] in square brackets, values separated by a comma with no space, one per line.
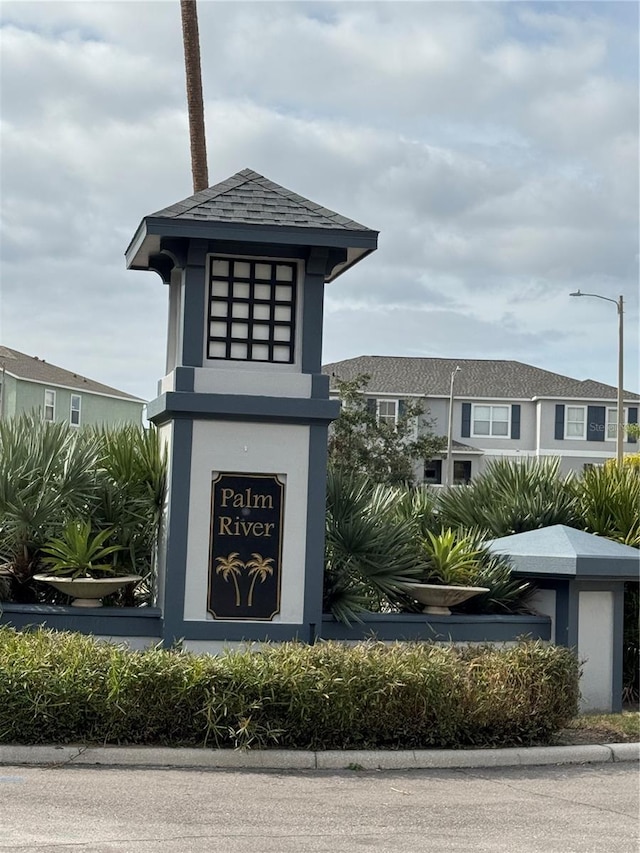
[69,688]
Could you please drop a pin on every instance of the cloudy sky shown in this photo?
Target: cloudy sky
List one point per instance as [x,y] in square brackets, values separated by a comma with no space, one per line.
[493,145]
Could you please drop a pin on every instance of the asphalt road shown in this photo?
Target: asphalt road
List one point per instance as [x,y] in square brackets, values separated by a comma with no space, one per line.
[569,809]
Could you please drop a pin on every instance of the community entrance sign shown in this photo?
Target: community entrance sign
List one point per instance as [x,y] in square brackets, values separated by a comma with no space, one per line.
[243,409]
[246,546]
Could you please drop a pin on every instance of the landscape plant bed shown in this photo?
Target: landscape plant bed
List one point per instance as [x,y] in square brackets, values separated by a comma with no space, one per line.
[69,688]
[601,728]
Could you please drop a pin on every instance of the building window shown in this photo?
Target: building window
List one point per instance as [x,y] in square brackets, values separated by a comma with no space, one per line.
[433,472]
[611,431]
[461,472]
[388,412]
[491,420]
[252,310]
[575,423]
[74,416]
[49,405]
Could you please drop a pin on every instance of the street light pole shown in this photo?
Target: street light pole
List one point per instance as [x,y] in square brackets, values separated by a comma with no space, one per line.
[450,430]
[619,303]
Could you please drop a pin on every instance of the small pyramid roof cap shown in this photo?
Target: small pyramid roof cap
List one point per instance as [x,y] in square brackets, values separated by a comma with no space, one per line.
[564,551]
[249,206]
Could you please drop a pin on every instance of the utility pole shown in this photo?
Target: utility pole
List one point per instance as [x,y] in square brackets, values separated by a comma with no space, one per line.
[449,478]
[195,104]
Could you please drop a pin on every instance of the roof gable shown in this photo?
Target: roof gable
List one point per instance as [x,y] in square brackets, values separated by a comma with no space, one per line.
[30,368]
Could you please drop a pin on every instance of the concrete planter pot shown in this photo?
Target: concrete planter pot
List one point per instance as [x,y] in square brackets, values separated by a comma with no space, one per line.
[438,598]
[87,592]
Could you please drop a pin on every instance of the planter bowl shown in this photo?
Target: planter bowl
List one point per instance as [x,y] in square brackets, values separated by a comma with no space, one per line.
[438,598]
[87,592]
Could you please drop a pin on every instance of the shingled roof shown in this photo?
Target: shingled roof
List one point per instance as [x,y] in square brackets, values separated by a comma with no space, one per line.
[250,198]
[247,207]
[34,369]
[478,377]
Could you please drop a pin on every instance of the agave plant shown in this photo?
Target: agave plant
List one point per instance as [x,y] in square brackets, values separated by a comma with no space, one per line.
[76,553]
[608,501]
[47,476]
[450,559]
[512,497]
[417,506]
[130,495]
[370,552]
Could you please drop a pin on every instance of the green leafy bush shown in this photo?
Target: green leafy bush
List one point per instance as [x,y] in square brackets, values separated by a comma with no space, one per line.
[53,475]
[511,498]
[369,549]
[62,688]
[609,500]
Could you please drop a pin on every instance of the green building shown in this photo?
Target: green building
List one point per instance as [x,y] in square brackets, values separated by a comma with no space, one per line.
[30,384]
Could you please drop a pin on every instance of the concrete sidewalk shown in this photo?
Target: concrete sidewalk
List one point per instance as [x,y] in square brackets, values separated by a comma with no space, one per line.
[285,759]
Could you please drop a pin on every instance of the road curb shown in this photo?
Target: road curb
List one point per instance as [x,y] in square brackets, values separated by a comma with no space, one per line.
[284,759]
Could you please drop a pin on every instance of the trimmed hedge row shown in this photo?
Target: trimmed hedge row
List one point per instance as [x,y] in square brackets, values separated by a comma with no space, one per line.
[63,687]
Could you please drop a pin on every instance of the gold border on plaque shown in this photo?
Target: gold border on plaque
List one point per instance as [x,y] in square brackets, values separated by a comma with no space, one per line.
[215,477]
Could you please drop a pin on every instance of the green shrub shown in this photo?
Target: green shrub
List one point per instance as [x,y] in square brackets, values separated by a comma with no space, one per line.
[62,688]
[512,497]
[52,474]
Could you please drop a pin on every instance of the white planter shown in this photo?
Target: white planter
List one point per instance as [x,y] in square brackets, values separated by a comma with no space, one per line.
[439,598]
[87,592]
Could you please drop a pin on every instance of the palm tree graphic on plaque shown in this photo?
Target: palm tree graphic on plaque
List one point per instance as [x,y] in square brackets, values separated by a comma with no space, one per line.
[259,568]
[231,566]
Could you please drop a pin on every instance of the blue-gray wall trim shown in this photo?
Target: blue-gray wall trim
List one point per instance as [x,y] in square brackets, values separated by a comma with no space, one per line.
[238,248]
[107,621]
[312,310]
[178,404]
[175,558]
[147,622]
[562,615]
[193,319]
[320,386]
[455,628]
[248,233]
[316,512]
[184,378]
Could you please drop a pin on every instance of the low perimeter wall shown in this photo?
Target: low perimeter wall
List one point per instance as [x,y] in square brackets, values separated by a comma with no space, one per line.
[133,624]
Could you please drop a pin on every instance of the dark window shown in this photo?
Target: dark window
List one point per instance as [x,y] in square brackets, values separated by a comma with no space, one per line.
[461,472]
[433,471]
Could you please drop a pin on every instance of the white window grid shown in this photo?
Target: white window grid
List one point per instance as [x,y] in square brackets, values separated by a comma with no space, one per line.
[611,427]
[75,410]
[49,405]
[497,418]
[575,423]
[388,412]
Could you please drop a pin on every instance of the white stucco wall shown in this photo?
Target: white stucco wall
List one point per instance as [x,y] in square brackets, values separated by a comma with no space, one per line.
[595,648]
[543,601]
[238,447]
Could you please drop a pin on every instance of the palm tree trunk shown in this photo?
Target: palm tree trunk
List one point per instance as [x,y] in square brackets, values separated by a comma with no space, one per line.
[195,104]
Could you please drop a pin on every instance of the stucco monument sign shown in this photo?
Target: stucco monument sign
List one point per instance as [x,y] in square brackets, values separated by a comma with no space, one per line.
[243,409]
[246,546]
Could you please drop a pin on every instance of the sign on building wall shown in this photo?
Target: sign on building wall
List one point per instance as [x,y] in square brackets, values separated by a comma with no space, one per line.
[247,515]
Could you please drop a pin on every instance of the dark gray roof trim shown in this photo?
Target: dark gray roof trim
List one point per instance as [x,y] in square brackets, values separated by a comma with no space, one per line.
[478,378]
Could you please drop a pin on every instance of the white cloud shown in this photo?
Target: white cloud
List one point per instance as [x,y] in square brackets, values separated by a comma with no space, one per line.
[493,145]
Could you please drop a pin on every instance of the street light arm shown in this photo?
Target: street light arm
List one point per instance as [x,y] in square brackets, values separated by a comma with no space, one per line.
[616,302]
[619,303]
